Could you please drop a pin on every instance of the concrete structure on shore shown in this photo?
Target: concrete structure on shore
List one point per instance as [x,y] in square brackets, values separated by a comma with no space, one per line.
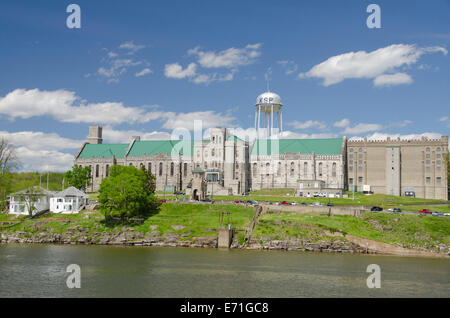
[231,166]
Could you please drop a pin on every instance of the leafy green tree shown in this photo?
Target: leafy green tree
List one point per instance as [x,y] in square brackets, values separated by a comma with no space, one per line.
[125,193]
[150,182]
[79,178]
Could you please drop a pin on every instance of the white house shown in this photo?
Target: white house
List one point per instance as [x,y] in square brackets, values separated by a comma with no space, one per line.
[70,200]
[34,198]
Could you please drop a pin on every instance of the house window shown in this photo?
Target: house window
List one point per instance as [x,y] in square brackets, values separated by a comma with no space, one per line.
[333,169]
[255,169]
[427,179]
[360,149]
[360,179]
[438,155]
[360,156]
[292,169]
[360,169]
[438,168]
[305,168]
[427,162]
[427,169]
[438,180]
[107,170]
[213,153]
[350,168]
[428,155]
[438,162]
[351,156]
[149,166]
[438,149]
[351,149]
[350,181]
[428,149]
[160,168]
[172,166]
[320,169]
[185,169]
[96,171]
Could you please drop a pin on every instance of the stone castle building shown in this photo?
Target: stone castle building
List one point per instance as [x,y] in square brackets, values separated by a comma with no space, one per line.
[224,164]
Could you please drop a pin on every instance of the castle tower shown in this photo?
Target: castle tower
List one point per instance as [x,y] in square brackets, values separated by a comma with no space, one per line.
[95,135]
[269,106]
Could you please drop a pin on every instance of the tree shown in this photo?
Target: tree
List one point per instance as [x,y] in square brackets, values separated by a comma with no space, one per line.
[8,162]
[150,182]
[30,198]
[126,194]
[79,177]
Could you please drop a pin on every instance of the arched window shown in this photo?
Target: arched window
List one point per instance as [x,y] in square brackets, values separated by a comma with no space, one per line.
[292,169]
[160,168]
[96,171]
[141,165]
[172,166]
[333,169]
[213,153]
[428,149]
[149,166]
[130,164]
[279,169]
[320,169]
[305,169]
[438,149]
[255,169]
[267,168]
[185,169]
[107,171]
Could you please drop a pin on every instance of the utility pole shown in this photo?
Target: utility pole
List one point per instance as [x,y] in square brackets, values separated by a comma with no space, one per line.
[47,180]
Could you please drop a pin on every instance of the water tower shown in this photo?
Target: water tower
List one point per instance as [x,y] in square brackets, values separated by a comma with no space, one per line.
[268,114]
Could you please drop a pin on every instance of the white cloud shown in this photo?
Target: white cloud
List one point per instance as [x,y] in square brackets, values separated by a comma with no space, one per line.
[209,119]
[342,123]
[60,104]
[229,58]
[131,47]
[362,128]
[444,118]
[370,65]
[293,135]
[175,70]
[110,135]
[145,71]
[39,151]
[288,66]
[392,79]
[307,124]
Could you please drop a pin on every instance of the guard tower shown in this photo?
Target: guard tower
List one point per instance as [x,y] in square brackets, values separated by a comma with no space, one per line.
[95,135]
[268,116]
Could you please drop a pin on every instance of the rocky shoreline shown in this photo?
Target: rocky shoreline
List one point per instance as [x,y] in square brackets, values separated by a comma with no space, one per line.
[132,238]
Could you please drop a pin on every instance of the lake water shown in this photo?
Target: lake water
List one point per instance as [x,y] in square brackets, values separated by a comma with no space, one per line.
[106,271]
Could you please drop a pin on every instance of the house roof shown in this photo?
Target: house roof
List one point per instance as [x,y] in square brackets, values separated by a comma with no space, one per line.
[71,192]
[329,146]
[153,147]
[103,151]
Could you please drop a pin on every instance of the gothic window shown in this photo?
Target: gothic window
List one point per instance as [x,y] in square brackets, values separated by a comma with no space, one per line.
[107,171]
[255,169]
[213,153]
[333,169]
[96,171]
[185,169]
[279,169]
[150,166]
[292,169]
[172,166]
[428,149]
[160,169]
[320,169]
[305,169]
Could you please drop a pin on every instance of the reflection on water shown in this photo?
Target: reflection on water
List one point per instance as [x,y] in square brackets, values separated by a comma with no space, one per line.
[40,271]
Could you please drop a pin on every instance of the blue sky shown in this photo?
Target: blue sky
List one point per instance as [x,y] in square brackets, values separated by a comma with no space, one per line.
[147,67]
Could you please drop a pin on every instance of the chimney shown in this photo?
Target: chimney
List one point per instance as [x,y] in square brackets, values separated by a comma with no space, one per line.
[95,135]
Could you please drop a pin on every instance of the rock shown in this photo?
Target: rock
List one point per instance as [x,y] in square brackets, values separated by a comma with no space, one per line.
[153,227]
[178,227]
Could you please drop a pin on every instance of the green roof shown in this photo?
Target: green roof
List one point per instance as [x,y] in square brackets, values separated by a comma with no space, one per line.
[234,138]
[330,146]
[198,170]
[153,147]
[103,151]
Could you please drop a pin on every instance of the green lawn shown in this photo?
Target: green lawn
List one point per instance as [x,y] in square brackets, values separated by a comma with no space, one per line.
[410,231]
[198,220]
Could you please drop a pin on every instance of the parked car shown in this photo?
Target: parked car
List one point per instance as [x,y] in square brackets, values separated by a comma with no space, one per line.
[162,201]
[268,202]
[285,203]
[376,209]
[425,211]
[277,203]
[207,200]
[437,214]
[294,203]
[446,214]
[330,204]
[304,203]
[237,201]
[397,210]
